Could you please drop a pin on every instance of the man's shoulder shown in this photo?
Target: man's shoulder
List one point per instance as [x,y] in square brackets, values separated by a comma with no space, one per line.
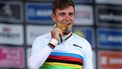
[81,42]
[80,39]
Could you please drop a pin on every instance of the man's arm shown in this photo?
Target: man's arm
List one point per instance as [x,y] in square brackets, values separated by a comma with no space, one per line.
[41,49]
[38,58]
[40,52]
[88,57]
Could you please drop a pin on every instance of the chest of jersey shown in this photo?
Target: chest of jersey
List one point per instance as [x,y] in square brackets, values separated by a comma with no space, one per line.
[65,56]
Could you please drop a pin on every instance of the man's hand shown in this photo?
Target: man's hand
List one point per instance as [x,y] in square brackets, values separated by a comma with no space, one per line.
[56,33]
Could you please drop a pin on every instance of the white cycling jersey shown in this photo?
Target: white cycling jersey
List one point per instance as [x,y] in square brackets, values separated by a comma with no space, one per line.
[73,53]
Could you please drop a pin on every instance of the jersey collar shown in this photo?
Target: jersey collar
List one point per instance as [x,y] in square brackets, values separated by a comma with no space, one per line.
[65,37]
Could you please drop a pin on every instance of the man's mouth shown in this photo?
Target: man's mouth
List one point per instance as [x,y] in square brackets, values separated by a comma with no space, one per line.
[67,23]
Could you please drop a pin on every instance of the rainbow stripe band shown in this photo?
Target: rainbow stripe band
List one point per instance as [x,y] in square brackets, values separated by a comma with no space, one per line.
[55,65]
[51,46]
[58,60]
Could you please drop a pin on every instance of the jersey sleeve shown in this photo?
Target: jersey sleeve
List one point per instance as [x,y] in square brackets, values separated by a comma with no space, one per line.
[88,56]
[39,53]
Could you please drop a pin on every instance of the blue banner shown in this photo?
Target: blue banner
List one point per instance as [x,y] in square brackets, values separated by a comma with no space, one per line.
[38,13]
[111,38]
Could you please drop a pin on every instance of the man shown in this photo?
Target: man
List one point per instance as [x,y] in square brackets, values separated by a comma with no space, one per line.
[61,49]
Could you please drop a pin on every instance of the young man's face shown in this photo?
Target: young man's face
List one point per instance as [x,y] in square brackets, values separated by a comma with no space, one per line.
[65,16]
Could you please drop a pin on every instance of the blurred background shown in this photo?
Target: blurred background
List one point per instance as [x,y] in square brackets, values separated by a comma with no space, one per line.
[98,21]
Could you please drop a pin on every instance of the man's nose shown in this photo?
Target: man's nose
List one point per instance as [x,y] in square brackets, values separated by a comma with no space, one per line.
[67,17]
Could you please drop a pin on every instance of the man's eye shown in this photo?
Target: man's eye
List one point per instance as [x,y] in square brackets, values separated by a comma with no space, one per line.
[71,14]
[62,14]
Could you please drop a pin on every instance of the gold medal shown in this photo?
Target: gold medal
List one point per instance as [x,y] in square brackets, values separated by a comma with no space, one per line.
[62,27]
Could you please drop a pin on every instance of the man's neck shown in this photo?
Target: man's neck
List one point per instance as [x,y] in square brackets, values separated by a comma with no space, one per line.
[65,37]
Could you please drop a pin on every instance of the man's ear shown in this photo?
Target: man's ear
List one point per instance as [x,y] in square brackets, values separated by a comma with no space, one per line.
[53,17]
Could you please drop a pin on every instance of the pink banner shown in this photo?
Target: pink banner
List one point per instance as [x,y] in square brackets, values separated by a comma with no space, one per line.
[12,57]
